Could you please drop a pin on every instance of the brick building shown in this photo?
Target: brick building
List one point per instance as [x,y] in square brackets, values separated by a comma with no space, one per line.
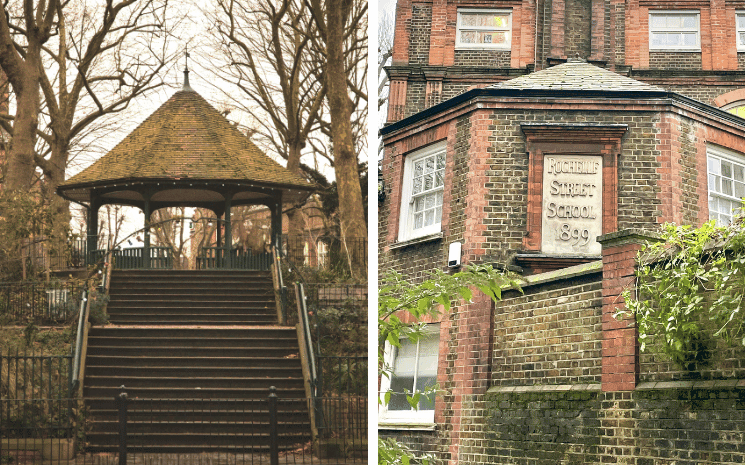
[551,138]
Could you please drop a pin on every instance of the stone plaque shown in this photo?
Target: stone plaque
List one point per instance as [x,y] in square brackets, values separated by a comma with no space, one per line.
[572,213]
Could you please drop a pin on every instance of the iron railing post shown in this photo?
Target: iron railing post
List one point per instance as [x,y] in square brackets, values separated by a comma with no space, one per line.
[273,433]
[121,402]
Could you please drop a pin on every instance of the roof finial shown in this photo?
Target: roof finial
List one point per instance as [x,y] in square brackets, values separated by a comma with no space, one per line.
[186,72]
[576,59]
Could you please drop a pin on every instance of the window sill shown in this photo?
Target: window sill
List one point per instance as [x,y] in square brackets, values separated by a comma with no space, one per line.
[417,240]
[400,426]
[482,47]
[676,50]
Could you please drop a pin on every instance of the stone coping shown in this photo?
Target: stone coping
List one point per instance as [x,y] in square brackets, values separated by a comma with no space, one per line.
[692,384]
[398,426]
[544,388]
[563,273]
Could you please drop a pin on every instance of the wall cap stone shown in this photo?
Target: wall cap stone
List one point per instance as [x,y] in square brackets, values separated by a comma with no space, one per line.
[544,388]
[628,236]
[406,426]
[692,384]
[557,275]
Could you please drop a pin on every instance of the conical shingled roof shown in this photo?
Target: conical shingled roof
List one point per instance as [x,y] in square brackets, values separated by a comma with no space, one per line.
[576,75]
[186,138]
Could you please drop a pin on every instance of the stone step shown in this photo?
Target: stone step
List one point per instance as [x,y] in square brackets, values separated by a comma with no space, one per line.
[284,333]
[192,393]
[195,382]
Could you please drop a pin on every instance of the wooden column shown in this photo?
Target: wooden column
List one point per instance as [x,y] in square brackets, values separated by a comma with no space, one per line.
[276,209]
[92,228]
[146,235]
[227,262]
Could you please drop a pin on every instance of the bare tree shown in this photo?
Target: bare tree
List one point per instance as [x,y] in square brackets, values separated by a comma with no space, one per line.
[341,33]
[385,53]
[264,43]
[70,65]
[170,231]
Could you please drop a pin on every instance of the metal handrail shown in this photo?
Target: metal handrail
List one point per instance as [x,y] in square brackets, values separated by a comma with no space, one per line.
[82,321]
[281,285]
[310,356]
[305,328]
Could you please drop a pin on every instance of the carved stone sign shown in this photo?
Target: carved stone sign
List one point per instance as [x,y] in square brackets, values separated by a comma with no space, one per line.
[572,215]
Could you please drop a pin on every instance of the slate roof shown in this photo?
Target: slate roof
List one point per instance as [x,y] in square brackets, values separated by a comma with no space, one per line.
[577,75]
[186,138]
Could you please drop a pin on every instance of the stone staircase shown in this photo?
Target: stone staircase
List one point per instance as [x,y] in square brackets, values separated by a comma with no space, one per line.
[197,352]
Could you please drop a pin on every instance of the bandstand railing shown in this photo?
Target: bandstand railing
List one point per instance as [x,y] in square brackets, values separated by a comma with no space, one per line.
[218,258]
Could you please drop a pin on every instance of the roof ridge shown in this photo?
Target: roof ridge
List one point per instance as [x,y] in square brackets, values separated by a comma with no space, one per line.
[576,75]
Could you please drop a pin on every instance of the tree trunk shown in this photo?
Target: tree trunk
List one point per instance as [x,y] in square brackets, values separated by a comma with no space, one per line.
[351,213]
[21,165]
[296,224]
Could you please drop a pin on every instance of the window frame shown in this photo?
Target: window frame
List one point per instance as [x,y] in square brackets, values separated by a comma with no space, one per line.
[466,46]
[732,157]
[738,30]
[406,220]
[405,418]
[675,48]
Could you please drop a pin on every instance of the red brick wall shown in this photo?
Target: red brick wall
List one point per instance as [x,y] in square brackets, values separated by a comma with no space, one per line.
[620,350]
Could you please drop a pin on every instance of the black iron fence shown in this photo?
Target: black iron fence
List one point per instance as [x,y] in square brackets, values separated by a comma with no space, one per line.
[342,375]
[40,302]
[325,252]
[126,429]
[47,254]
[35,377]
[343,424]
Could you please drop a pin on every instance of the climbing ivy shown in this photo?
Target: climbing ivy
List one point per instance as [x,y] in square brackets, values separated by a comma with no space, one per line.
[690,287]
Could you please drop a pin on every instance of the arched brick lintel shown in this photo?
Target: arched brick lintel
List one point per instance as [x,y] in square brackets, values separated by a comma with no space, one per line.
[729,97]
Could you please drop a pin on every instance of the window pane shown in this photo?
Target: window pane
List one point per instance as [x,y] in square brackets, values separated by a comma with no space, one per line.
[739,190]
[430,165]
[468,37]
[492,37]
[742,38]
[441,161]
[673,39]
[741,21]
[417,186]
[469,19]
[418,220]
[439,198]
[726,169]
[430,201]
[414,368]
[428,182]
[659,39]
[738,173]
[658,21]
[689,22]
[418,204]
[727,187]
[418,167]
[689,39]
[439,181]
[429,218]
